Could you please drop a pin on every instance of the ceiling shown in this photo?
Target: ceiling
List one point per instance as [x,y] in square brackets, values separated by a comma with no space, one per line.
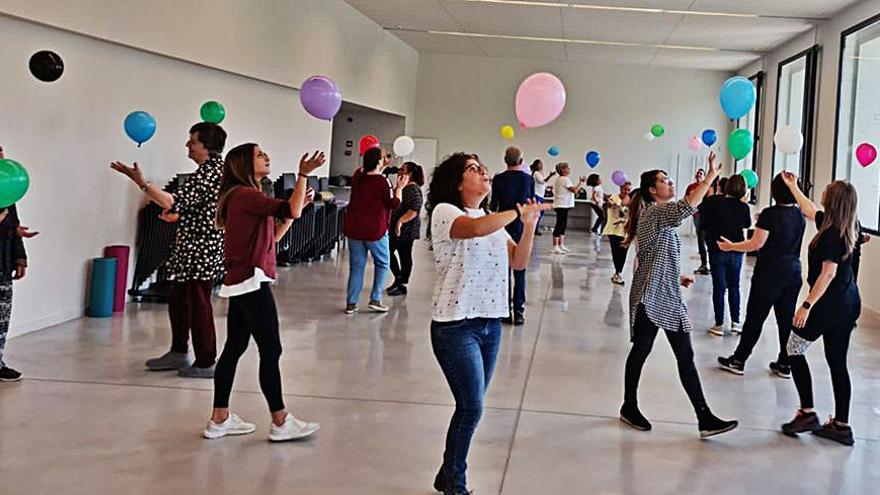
[674,33]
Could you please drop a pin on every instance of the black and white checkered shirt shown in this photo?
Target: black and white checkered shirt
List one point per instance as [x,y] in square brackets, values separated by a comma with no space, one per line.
[656,281]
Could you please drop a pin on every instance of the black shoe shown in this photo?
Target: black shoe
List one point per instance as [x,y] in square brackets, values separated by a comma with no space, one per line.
[702,270]
[711,425]
[802,423]
[507,320]
[440,481]
[8,374]
[538,233]
[633,417]
[519,319]
[731,365]
[780,370]
[399,290]
[837,432]
[391,288]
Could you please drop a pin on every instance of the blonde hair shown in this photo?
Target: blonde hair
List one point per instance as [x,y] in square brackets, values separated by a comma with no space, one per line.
[840,201]
[561,166]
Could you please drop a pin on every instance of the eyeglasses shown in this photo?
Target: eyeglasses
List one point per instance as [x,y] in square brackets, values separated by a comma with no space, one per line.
[480,169]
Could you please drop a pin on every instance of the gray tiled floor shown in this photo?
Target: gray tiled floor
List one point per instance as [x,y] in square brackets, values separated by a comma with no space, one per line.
[89,420]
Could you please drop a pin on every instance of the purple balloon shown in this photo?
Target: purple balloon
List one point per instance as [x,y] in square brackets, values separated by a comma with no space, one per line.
[618,178]
[320,96]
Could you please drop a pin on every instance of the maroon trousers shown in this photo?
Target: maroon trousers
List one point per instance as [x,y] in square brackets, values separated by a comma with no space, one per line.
[189,308]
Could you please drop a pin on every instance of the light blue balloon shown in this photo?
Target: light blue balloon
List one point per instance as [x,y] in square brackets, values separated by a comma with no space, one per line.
[140,126]
[592,159]
[738,96]
[553,151]
[709,137]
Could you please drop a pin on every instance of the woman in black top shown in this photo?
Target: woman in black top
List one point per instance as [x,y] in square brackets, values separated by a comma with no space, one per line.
[725,217]
[776,281]
[829,311]
[406,227]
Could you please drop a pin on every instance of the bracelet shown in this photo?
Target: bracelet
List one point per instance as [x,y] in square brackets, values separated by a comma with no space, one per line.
[300,174]
[146,185]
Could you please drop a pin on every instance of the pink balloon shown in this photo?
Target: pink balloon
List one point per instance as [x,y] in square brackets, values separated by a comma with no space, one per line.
[866,153]
[695,143]
[539,100]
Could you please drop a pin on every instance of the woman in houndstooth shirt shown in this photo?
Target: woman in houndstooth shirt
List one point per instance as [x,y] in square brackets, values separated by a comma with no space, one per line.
[655,301]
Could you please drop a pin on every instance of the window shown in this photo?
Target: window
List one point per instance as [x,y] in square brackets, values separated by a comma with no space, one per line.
[795,98]
[858,115]
[752,122]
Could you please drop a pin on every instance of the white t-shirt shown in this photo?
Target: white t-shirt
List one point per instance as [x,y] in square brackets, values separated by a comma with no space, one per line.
[471,274]
[540,184]
[250,285]
[562,195]
[598,190]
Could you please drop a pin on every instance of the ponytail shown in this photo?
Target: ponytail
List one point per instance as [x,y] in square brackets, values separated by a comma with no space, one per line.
[641,199]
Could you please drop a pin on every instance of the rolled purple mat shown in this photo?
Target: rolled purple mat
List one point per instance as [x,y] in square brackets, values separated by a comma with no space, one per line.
[121,254]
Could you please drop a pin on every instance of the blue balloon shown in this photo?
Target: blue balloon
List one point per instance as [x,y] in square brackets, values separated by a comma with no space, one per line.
[738,96]
[140,127]
[592,159]
[553,151]
[709,137]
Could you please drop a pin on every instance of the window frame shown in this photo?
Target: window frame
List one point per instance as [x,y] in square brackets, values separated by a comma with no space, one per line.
[758,80]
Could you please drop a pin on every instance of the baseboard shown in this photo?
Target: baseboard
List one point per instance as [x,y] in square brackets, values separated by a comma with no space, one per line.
[45,322]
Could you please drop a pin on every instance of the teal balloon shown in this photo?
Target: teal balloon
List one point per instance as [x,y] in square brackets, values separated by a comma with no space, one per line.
[140,127]
[14,182]
[213,112]
[740,143]
[750,177]
[738,96]
[553,151]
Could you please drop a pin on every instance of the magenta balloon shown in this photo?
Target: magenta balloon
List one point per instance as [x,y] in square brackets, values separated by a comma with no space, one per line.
[866,153]
[320,96]
[539,100]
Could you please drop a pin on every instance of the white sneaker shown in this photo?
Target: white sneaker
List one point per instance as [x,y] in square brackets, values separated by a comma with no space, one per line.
[564,249]
[617,279]
[717,330]
[736,327]
[292,429]
[558,250]
[232,426]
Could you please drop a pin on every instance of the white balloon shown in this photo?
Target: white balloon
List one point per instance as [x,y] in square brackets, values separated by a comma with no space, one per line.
[404,146]
[789,140]
[649,136]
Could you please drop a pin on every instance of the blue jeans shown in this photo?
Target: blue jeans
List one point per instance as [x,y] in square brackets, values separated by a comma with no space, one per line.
[357,263]
[726,268]
[467,351]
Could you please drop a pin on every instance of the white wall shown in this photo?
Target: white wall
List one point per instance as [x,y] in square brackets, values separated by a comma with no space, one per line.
[827,35]
[464,100]
[383,125]
[66,133]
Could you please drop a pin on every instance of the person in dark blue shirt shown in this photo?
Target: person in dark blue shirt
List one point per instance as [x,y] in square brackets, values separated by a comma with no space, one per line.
[513,187]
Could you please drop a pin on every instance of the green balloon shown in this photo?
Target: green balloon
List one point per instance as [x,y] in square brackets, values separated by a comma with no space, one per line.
[658,130]
[14,182]
[740,143]
[213,112]
[750,177]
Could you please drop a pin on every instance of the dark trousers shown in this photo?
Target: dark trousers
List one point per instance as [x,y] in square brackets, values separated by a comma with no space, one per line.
[467,351]
[776,290]
[401,268]
[726,268]
[644,333]
[618,252]
[701,241]
[539,200]
[561,221]
[189,309]
[836,348]
[252,314]
[600,218]
[518,291]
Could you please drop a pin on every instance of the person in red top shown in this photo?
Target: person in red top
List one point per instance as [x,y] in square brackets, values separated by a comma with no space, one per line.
[247,217]
[698,227]
[366,227]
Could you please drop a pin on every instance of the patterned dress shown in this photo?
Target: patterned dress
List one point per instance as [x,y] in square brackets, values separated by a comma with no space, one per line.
[656,281]
[197,253]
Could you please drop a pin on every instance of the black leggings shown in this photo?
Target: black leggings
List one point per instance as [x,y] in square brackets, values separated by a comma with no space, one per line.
[402,249]
[777,290]
[254,314]
[618,252]
[836,348]
[561,221]
[644,333]
[600,218]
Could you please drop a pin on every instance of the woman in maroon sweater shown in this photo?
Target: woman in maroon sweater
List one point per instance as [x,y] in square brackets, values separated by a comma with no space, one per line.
[366,226]
[250,231]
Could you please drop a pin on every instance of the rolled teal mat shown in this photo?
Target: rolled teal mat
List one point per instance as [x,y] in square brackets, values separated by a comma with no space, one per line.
[103,287]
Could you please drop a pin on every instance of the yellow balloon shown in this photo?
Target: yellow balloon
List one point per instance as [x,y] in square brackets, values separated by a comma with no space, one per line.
[507,132]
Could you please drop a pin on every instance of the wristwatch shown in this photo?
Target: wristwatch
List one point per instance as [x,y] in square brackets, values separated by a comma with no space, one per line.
[806,305]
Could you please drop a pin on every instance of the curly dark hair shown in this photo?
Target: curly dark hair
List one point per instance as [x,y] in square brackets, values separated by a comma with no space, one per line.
[446,178]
